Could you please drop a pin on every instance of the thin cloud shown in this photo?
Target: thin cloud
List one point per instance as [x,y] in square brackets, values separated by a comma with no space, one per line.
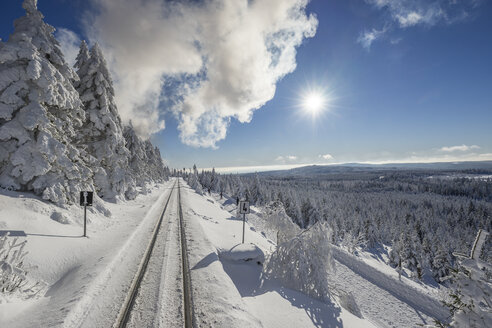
[368,37]
[286,158]
[395,40]
[326,156]
[462,148]
[208,62]
[402,14]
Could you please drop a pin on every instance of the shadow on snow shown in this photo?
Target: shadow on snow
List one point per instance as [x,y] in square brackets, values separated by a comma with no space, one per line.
[248,279]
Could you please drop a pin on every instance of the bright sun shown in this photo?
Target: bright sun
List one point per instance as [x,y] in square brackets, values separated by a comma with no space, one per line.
[314,102]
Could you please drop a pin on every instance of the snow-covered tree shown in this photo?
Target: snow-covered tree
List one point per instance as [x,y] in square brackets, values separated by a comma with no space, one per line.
[40,112]
[193,180]
[470,301]
[102,132]
[155,167]
[303,262]
[145,162]
[277,220]
[440,264]
[215,181]
[255,191]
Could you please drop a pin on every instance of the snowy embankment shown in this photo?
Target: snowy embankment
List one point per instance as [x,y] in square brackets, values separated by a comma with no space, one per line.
[228,292]
[82,279]
[382,299]
[380,295]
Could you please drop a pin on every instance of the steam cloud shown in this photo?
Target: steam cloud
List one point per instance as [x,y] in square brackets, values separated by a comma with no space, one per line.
[222,58]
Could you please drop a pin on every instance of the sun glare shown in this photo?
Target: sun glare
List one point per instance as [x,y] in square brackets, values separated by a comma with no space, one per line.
[314,102]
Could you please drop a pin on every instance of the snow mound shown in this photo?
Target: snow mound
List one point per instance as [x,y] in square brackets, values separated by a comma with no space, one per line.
[243,252]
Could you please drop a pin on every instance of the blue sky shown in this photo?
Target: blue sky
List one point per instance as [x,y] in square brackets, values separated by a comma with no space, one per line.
[420,91]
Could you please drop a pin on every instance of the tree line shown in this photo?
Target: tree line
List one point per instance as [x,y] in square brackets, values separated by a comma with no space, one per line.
[60,131]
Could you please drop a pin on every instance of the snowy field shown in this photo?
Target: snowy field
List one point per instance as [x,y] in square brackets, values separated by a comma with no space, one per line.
[84,280]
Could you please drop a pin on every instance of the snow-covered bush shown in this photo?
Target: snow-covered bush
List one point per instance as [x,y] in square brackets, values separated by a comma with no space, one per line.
[277,220]
[303,262]
[13,275]
[39,113]
[470,301]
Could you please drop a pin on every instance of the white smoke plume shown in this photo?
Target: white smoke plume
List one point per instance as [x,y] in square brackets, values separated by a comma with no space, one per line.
[224,58]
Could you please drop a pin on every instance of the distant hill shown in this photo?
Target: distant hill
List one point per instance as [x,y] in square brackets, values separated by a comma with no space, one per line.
[310,170]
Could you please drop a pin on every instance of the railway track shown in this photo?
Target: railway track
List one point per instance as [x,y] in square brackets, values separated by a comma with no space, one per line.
[160,240]
[187,295]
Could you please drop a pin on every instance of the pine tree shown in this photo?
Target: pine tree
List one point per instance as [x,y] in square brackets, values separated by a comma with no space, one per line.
[102,131]
[145,162]
[255,191]
[440,264]
[471,294]
[39,113]
[194,182]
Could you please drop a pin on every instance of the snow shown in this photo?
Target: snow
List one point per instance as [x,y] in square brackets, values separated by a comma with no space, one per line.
[85,280]
[159,299]
[242,298]
[84,276]
[379,295]
[243,252]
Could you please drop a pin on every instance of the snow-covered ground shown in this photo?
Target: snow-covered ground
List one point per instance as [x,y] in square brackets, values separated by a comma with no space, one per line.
[239,298]
[85,278]
[383,299]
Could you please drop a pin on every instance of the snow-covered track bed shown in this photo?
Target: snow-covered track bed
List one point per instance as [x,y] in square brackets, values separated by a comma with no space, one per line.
[187,294]
[160,294]
[129,302]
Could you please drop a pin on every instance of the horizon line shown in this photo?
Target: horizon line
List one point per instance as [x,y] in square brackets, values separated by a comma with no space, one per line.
[282,167]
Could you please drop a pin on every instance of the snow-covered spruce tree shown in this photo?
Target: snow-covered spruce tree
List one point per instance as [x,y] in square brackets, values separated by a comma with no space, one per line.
[471,294]
[39,113]
[102,133]
[255,191]
[137,154]
[145,162]
[194,182]
[156,170]
[440,264]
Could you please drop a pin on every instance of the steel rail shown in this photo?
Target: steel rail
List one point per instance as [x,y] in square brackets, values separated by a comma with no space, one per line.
[187,295]
[124,314]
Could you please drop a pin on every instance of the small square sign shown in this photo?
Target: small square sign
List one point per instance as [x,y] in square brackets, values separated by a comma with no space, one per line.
[86,198]
[243,207]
